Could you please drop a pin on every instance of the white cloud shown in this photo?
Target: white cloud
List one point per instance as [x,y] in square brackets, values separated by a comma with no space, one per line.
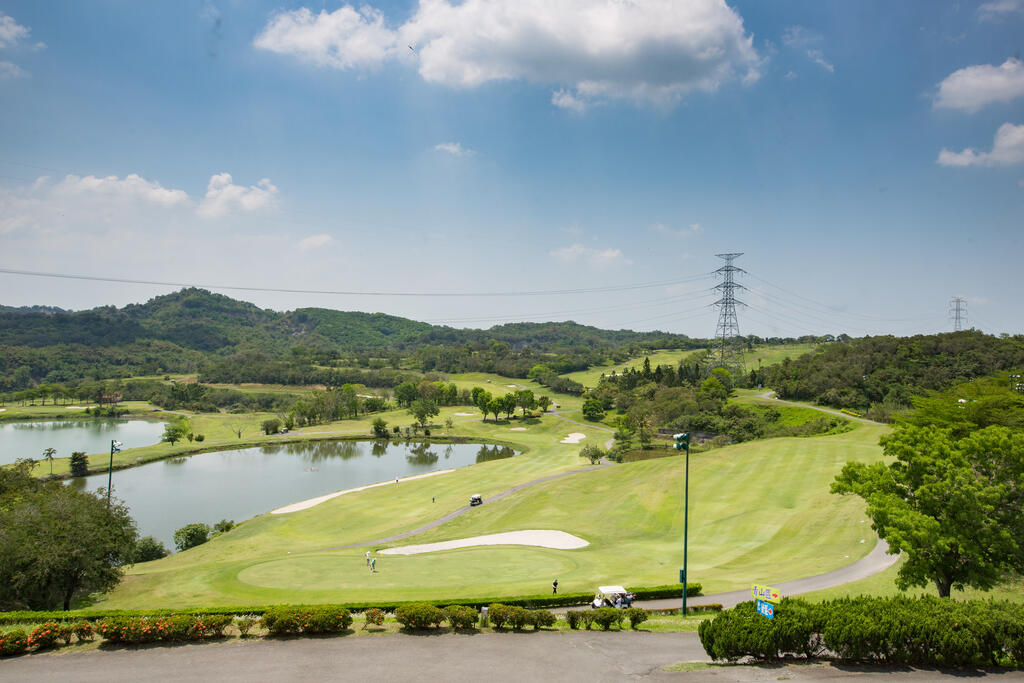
[691,230]
[131,187]
[790,75]
[455,149]
[223,196]
[564,99]
[818,58]
[11,70]
[643,50]
[595,257]
[1007,148]
[10,31]
[345,38]
[315,241]
[799,36]
[997,9]
[971,88]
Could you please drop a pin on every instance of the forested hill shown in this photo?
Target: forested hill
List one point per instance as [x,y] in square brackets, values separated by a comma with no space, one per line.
[185,330]
[891,370]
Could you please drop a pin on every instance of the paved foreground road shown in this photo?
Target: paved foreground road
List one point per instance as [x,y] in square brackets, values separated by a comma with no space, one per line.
[574,656]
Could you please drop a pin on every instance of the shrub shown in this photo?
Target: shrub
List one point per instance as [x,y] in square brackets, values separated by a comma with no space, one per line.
[519,617]
[606,616]
[200,437]
[45,636]
[148,549]
[79,464]
[419,615]
[224,526]
[373,616]
[460,616]
[13,643]
[499,614]
[271,426]
[286,620]
[191,535]
[209,626]
[573,617]
[83,630]
[587,616]
[543,618]
[245,624]
[635,615]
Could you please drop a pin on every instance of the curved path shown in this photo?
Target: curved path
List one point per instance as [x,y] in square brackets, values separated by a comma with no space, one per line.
[460,511]
[876,561]
[770,395]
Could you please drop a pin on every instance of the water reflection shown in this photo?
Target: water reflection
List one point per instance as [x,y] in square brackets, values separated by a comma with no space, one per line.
[494,453]
[421,455]
[29,439]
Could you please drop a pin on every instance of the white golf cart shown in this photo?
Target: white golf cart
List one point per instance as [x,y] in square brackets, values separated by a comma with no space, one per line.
[607,596]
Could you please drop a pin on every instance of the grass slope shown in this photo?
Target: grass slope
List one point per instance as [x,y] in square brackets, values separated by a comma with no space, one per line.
[759,512]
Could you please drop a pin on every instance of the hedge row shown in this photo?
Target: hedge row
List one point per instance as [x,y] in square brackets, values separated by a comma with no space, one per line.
[924,631]
[605,617]
[530,601]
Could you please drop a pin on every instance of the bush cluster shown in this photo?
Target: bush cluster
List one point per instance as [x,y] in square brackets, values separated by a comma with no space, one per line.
[518,618]
[460,616]
[373,616]
[419,615]
[924,631]
[294,620]
[182,627]
[13,642]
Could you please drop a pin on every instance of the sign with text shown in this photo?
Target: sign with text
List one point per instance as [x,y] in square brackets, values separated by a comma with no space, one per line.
[767,593]
[766,609]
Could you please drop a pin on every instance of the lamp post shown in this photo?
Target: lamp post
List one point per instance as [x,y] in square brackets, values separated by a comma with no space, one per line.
[683,441]
[115,447]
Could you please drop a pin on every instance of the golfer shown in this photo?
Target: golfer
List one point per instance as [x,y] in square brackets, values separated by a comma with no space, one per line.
[554,586]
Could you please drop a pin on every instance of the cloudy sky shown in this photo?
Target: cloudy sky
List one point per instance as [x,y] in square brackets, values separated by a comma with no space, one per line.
[478,162]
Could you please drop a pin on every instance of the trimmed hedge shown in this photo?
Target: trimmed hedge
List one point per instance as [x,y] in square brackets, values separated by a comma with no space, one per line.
[419,615]
[925,631]
[529,601]
[460,616]
[176,628]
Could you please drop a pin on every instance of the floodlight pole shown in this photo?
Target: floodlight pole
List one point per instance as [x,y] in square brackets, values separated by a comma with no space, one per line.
[686,514]
[115,447]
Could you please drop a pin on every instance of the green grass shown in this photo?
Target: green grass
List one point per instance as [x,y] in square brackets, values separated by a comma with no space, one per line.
[749,522]
[770,355]
[591,376]
[70,410]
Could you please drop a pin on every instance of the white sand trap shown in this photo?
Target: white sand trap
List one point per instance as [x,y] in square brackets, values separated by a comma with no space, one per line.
[465,414]
[544,538]
[517,429]
[575,437]
[75,407]
[3,410]
[306,504]
[511,386]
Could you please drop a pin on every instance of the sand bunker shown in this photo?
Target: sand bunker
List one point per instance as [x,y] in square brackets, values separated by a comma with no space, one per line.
[517,429]
[465,414]
[544,538]
[75,407]
[3,410]
[575,437]
[306,504]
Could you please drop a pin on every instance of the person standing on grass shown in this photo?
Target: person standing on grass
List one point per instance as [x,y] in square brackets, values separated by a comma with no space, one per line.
[554,587]
[367,558]
[373,565]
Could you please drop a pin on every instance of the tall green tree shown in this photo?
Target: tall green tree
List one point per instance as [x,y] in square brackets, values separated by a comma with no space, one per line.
[954,507]
[423,409]
[57,543]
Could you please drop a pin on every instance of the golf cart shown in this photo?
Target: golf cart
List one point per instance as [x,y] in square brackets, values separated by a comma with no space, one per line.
[606,597]
[476,499]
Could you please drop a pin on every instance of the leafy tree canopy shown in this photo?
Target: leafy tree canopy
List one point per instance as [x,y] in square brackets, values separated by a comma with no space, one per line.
[954,506]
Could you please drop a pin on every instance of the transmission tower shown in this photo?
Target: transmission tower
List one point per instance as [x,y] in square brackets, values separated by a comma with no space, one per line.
[728,347]
[958,312]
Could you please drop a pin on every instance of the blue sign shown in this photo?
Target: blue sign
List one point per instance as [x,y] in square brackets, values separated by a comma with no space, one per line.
[766,609]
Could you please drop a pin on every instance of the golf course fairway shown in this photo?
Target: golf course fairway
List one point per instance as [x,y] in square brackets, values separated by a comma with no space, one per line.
[759,512]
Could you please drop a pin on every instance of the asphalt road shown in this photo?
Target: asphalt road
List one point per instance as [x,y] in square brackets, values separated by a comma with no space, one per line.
[591,656]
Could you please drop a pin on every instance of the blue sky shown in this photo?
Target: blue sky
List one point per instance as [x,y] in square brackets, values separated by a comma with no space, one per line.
[867,158]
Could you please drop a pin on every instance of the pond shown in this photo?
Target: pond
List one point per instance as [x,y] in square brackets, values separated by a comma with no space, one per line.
[29,439]
[239,484]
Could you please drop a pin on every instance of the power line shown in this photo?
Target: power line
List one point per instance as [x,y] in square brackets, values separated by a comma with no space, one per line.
[279,290]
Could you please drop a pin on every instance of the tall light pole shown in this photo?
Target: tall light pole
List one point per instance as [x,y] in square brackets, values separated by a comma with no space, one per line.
[115,447]
[683,441]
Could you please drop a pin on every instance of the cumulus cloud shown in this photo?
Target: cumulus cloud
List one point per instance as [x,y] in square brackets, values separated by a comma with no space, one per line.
[315,241]
[10,31]
[455,149]
[643,50]
[595,257]
[223,196]
[564,99]
[971,88]
[132,187]
[1007,148]
[998,9]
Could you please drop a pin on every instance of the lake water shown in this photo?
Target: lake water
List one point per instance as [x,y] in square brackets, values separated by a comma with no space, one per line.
[240,484]
[30,439]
